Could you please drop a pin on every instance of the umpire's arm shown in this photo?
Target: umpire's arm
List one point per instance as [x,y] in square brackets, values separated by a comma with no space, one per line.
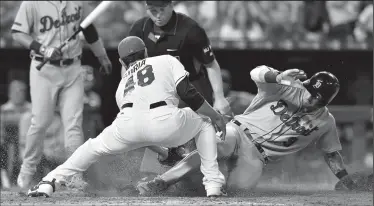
[188,93]
[200,45]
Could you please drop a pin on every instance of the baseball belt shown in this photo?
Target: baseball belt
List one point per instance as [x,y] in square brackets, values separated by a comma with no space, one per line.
[151,106]
[62,62]
[258,146]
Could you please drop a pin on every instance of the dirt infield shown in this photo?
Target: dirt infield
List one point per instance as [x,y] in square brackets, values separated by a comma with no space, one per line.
[270,197]
[113,173]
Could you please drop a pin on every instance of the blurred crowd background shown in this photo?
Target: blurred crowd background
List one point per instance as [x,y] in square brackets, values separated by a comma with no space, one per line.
[258,24]
[240,25]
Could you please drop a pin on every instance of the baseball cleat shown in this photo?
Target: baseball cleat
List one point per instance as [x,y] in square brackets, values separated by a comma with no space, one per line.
[216,192]
[175,154]
[152,187]
[43,188]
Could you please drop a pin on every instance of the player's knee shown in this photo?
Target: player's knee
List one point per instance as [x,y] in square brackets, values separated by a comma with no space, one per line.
[94,145]
[40,124]
[74,133]
[226,148]
[231,131]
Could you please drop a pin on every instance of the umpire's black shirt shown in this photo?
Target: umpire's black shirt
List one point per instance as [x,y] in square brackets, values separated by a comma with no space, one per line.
[181,37]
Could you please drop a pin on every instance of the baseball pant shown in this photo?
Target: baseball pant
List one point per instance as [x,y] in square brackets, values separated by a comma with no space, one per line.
[50,87]
[244,161]
[150,163]
[140,126]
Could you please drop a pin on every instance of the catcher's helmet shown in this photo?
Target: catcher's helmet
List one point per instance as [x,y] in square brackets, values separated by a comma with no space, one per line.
[324,84]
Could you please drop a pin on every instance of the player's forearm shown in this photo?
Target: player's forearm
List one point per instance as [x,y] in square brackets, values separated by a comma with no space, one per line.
[264,74]
[22,38]
[98,48]
[215,77]
[336,164]
[335,161]
[207,110]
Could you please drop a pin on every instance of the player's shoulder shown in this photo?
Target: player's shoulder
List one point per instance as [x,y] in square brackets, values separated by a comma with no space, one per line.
[330,117]
[166,58]
[326,116]
[186,20]
[29,4]
[189,23]
[164,61]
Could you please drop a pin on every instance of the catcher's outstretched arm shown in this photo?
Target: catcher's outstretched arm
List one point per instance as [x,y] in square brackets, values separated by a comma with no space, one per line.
[336,164]
[187,165]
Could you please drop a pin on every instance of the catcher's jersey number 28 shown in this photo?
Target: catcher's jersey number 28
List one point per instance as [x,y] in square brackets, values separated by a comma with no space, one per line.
[143,77]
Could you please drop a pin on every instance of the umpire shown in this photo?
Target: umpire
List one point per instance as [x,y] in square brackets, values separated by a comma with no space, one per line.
[166,32]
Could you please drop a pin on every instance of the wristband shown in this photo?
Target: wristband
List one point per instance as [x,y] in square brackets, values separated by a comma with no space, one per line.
[35,46]
[341,174]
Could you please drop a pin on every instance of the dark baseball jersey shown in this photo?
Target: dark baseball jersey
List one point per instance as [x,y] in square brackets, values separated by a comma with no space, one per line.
[183,38]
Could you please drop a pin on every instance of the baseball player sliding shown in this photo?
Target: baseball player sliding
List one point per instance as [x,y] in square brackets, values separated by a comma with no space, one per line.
[285,116]
[42,26]
[148,97]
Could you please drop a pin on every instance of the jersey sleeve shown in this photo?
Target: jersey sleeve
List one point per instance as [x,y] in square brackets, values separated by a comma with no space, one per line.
[24,18]
[258,75]
[329,141]
[177,69]
[199,41]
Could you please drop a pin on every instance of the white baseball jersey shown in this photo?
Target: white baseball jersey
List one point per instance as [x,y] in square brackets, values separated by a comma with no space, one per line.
[151,80]
[276,115]
[51,23]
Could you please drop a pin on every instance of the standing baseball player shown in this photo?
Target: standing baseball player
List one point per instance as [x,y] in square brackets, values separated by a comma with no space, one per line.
[165,31]
[42,26]
[147,98]
[285,116]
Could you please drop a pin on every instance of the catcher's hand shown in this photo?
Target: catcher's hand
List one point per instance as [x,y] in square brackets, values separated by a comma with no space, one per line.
[291,75]
[220,125]
[106,65]
[223,106]
[52,53]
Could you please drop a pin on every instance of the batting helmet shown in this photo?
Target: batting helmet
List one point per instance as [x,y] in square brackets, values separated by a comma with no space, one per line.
[323,84]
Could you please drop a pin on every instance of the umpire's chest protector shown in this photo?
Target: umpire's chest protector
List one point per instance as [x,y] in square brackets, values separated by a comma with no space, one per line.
[172,40]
